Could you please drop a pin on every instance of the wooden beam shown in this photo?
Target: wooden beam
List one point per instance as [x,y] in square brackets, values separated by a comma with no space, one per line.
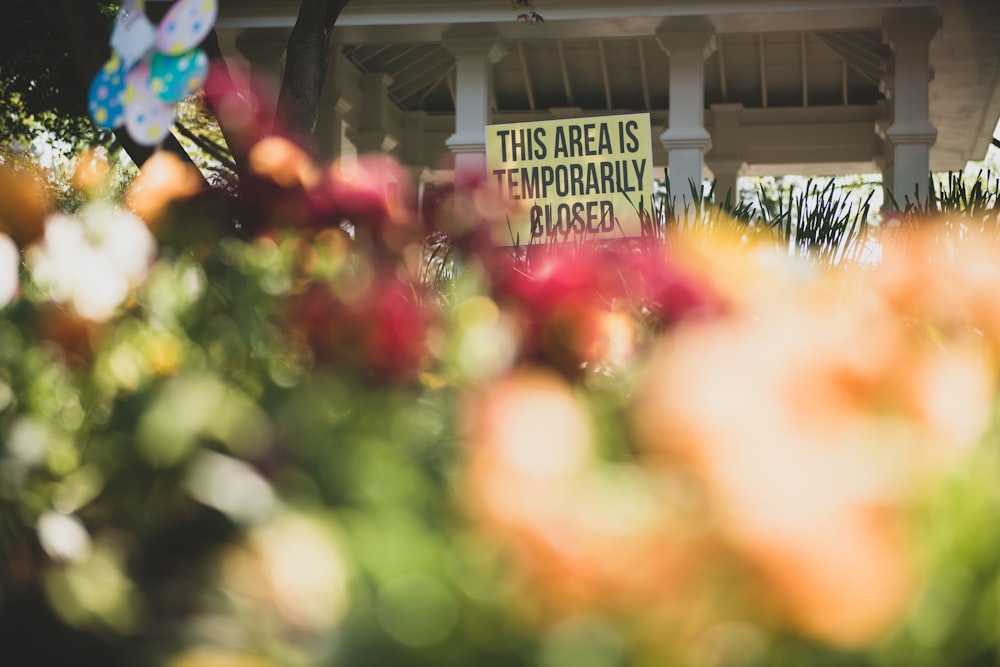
[414,84]
[416,61]
[843,81]
[565,73]
[805,69]
[402,54]
[642,73]
[447,75]
[527,76]
[763,70]
[366,58]
[722,69]
[604,73]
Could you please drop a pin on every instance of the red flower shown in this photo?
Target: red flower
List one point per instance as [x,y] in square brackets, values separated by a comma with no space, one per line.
[381,328]
[565,296]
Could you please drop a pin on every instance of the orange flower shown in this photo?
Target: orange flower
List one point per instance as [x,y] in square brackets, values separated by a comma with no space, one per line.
[586,534]
[811,419]
[164,179]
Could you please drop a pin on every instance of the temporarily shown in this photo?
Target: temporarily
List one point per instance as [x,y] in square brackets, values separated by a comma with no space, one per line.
[571,180]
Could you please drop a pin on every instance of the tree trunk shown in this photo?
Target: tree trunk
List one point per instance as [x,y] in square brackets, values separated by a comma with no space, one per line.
[306,62]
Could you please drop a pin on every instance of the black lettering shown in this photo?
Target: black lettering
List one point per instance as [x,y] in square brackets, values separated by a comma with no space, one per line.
[575,140]
[529,183]
[499,174]
[578,223]
[630,128]
[576,179]
[517,144]
[589,139]
[564,215]
[592,217]
[562,180]
[640,169]
[607,177]
[548,178]
[512,185]
[604,140]
[607,216]
[593,186]
[535,215]
[540,149]
[560,150]
[503,144]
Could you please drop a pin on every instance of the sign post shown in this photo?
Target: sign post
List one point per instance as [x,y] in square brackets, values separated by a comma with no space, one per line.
[583,178]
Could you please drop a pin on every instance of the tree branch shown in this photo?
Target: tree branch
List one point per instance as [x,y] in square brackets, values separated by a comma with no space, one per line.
[214,150]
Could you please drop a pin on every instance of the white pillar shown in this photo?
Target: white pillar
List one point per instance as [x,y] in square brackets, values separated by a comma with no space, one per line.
[688,41]
[374,133]
[330,126]
[911,135]
[726,173]
[334,106]
[474,60]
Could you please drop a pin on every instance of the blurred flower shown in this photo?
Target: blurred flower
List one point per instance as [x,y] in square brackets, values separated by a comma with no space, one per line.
[63,536]
[91,171]
[163,179]
[283,162]
[243,105]
[587,534]
[947,281]
[579,307]
[294,566]
[230,486]
[473,214]
[380,326]
[92,260]
[217,656]
[10,270]
[25,201]
[374,193]
[94,592]
[810,421]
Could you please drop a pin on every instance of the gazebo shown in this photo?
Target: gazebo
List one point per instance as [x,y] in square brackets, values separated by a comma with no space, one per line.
[732,87]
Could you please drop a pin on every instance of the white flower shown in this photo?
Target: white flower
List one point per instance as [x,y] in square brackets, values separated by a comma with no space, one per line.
[10,263]
[92,260]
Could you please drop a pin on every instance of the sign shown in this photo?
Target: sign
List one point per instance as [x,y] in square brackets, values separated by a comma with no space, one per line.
[581,178]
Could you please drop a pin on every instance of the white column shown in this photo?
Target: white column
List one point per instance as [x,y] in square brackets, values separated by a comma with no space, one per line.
[330,126]
[374,133]
[334,106]
[474,60]
[911,135]
[688,41]
[726,173]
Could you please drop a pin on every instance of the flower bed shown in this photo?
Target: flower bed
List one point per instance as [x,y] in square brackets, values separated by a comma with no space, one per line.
[287,429]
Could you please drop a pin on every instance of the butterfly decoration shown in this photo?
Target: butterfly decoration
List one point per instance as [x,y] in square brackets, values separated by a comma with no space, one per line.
[528,13]
[531,16]
[151,68]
